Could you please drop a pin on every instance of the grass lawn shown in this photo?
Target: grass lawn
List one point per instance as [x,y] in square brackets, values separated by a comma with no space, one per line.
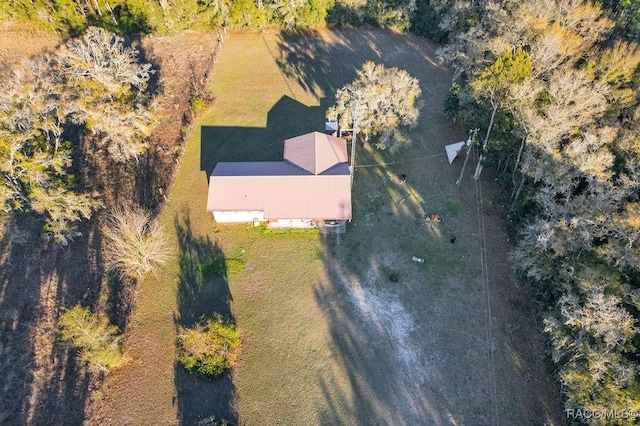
[328,337]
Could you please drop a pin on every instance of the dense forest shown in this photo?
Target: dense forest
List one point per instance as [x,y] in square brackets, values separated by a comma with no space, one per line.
[552,84]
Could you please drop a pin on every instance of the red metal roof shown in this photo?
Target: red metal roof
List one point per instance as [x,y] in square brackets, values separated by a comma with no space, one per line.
[313,183]
[315,152]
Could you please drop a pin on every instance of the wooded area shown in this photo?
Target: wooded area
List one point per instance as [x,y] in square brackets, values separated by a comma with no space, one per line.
[86,101]
[554,86]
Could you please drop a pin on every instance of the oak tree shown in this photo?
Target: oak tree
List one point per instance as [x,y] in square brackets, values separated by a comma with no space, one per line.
[379,102]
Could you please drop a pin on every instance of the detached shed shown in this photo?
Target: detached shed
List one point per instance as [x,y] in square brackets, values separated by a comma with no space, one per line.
[311,183]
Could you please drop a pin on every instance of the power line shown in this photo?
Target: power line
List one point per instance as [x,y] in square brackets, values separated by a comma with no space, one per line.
[487,293]
[398,162]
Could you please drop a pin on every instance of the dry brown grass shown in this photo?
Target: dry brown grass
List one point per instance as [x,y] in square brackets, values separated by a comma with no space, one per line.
[18,41]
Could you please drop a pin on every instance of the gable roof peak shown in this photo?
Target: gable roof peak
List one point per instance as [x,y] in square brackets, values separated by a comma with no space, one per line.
[315,152]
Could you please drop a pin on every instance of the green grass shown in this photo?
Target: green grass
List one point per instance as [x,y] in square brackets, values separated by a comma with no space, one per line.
[270,275]
[213,268]
[452,208]
[305,231]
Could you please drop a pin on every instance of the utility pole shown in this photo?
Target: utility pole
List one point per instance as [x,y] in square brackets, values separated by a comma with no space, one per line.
[354,141]
[357,97]
[470,141]
[476,175]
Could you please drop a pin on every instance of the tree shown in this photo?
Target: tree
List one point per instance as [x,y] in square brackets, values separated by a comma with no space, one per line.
[34,157]
[91,91]
[106,85]
[576,116]
[379,102]
[495,82]
[587,338]
[559,33]
[626,14]
[616,66]
[452,102]
[477,31]
[210,347]
[135,242]
[98,340]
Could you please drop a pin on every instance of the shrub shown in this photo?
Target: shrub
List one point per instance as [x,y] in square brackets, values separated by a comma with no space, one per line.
[210,347]
[135,242]
[94,336]
[198,105]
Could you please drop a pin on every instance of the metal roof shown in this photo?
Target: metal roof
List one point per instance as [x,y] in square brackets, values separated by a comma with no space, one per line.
[257,168]
[315,152]
[314,182]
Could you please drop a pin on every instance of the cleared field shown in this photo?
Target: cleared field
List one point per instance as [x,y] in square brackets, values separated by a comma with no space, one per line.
[329,338]
[19,41]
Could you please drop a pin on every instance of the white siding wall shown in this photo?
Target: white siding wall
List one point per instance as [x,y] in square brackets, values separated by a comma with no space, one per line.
[237,216]
[292,223]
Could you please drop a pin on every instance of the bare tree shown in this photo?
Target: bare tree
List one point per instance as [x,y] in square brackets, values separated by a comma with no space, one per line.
[99,57]
[135,241]
[120,129]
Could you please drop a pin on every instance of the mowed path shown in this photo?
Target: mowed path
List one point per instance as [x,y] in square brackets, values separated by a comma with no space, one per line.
[328,337]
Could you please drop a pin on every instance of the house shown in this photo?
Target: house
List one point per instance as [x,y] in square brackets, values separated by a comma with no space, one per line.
[312,183]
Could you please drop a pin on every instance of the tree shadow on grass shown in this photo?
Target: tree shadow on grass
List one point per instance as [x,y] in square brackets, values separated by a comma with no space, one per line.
[121,300]
[322,62]
[388,377]
[43,381]
[202,291]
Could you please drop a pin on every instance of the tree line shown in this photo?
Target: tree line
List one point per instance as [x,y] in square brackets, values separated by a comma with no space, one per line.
[71,17]
[431,18]
[553,84]
[140,16]
[435,19]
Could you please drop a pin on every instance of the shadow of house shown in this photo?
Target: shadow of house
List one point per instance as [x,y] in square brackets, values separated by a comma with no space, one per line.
[287,118]
[202,292]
